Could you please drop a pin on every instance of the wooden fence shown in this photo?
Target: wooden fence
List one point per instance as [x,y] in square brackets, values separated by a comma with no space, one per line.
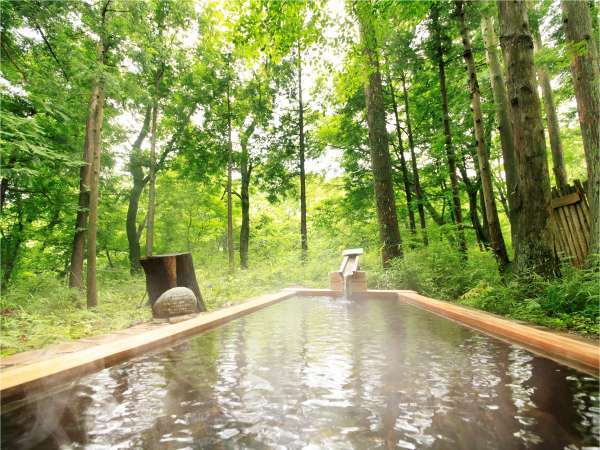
[573,224]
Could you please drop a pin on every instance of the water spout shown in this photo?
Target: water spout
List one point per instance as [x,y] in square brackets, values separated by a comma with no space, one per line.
[348,268]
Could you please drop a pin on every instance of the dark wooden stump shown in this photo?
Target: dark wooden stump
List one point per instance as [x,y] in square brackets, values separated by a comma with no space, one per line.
[164,272]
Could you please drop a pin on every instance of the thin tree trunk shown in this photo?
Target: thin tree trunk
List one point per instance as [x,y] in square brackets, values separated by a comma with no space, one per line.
[110,263]
[230,254]
[246,173]
[504,125]
[534,237]
[558,160]
[152,167]
[303,229]
[405,175]
[139,181]
[436,216]
[491,216]
[10,245]
[472,189]
[94,175]
[92,295]
[413,158]
[456,206]
[78,247]
[586,73]
[378,140]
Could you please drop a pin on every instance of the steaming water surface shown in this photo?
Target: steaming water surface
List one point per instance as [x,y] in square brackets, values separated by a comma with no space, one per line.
[322,373]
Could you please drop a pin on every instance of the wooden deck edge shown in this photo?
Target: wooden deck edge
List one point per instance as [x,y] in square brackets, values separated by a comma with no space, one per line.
[564,350]
[18,382]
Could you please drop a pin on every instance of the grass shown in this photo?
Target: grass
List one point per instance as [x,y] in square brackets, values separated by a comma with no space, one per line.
[569,303]
[39,310]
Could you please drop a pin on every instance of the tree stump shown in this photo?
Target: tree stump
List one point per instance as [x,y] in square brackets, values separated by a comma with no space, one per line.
[164,272]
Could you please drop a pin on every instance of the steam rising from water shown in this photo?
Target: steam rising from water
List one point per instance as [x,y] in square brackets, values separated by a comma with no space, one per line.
[322,373]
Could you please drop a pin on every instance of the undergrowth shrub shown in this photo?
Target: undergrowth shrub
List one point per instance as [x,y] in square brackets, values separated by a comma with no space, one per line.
[570,302]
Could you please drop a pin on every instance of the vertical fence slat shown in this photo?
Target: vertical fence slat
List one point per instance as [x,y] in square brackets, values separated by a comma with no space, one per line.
[573,222]
[563,246]
[584,226]
[573,253]
[577,232]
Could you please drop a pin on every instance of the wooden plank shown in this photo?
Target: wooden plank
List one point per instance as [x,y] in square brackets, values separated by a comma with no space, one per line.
[16,382]
[581,355]
[560,235]
[581,229]
[568,199]
[575,233]
[584,225]
[352,252]
[567,234]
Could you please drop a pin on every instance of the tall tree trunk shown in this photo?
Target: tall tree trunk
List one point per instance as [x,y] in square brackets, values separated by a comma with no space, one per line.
[92,295]
[78,247]
[405,176]
[586,76]
[485,174]
[378,140]
[152,166]
[504,125]
[413,159]
[534,237]
[456,206]
[230,255]
[139,181]
[94,175]
[558,160]
[303,229]
[473,190]
[10,244]
[246,173]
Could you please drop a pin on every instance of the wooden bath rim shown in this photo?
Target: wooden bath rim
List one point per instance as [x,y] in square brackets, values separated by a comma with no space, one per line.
[21,381]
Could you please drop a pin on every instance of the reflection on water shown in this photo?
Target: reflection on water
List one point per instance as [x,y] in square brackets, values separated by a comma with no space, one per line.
[320,373]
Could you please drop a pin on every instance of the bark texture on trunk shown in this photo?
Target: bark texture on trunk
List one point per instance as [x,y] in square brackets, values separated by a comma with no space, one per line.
[405,176]
[586,80]
[456,206]
[92,295]
[139,182]
[94,175]
[473,190]
[558,160]
[378,140]
[151,185]
[152,166]
[504,125]
[230,255]
[246,173]
[485,174]
[78,247]
[301,157]
[10,244]
[534,237]
[413,159]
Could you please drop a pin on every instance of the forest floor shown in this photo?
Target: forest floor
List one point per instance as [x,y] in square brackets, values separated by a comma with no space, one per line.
[40,310]
[44,311]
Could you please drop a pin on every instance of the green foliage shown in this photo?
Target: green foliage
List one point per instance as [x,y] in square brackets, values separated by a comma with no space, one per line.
[568,303]
[251,49]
